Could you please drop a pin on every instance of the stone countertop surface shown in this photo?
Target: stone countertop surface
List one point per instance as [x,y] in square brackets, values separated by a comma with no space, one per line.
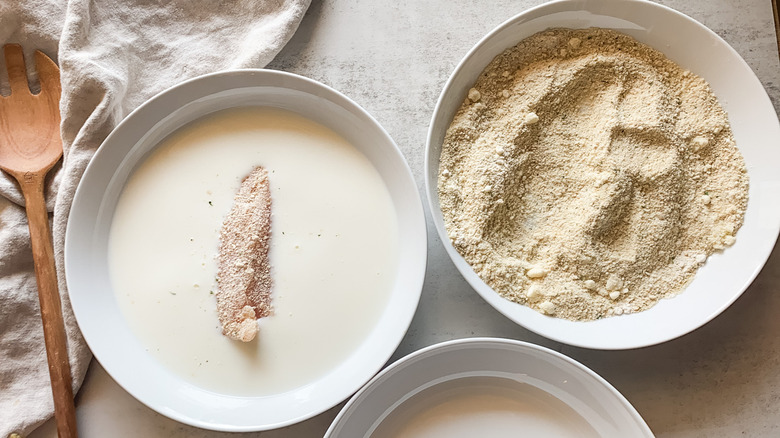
[393,58]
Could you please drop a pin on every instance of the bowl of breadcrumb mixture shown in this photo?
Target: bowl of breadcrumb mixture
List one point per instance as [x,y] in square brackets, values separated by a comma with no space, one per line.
[589,186]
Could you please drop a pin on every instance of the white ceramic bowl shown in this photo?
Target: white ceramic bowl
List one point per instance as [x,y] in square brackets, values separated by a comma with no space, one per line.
[418,381]
[94,303]
[725,276]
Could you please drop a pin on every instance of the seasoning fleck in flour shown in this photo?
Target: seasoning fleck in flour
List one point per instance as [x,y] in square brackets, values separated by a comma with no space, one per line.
[586,175]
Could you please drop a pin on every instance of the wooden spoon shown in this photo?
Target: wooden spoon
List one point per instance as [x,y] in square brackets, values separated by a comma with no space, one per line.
[30,145]
[776,13]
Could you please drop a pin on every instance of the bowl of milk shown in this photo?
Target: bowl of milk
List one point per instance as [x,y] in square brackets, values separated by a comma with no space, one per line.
[347,249]
[476,386]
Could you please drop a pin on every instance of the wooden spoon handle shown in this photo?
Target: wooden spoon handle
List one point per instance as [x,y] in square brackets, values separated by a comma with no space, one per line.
[51,309]
[776,13]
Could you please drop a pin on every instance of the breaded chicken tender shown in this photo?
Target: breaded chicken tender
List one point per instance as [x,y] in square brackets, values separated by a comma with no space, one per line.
[243,267]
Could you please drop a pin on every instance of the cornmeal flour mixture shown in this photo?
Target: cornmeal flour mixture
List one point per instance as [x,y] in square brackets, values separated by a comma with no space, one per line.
[586,175]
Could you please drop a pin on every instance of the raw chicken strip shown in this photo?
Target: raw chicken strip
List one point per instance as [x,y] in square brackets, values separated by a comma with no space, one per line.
[244,272]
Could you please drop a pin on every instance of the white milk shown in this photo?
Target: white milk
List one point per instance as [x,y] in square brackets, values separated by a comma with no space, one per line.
[334,250]
[483,407]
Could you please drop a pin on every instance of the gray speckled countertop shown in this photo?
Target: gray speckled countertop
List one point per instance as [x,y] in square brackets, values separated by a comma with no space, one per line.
[393,58]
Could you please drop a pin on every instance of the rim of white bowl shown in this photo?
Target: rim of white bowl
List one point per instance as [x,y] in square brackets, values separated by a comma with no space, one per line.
[479,342]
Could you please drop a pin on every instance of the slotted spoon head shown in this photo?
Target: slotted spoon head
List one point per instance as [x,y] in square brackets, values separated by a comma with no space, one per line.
[30,123]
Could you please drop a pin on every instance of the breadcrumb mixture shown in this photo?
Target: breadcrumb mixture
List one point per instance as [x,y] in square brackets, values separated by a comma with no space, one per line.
[586,175]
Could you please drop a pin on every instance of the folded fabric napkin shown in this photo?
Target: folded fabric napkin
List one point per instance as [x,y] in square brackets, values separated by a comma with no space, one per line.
[113,55]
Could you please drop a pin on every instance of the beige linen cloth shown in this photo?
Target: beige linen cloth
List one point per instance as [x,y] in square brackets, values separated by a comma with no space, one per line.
[113,55]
